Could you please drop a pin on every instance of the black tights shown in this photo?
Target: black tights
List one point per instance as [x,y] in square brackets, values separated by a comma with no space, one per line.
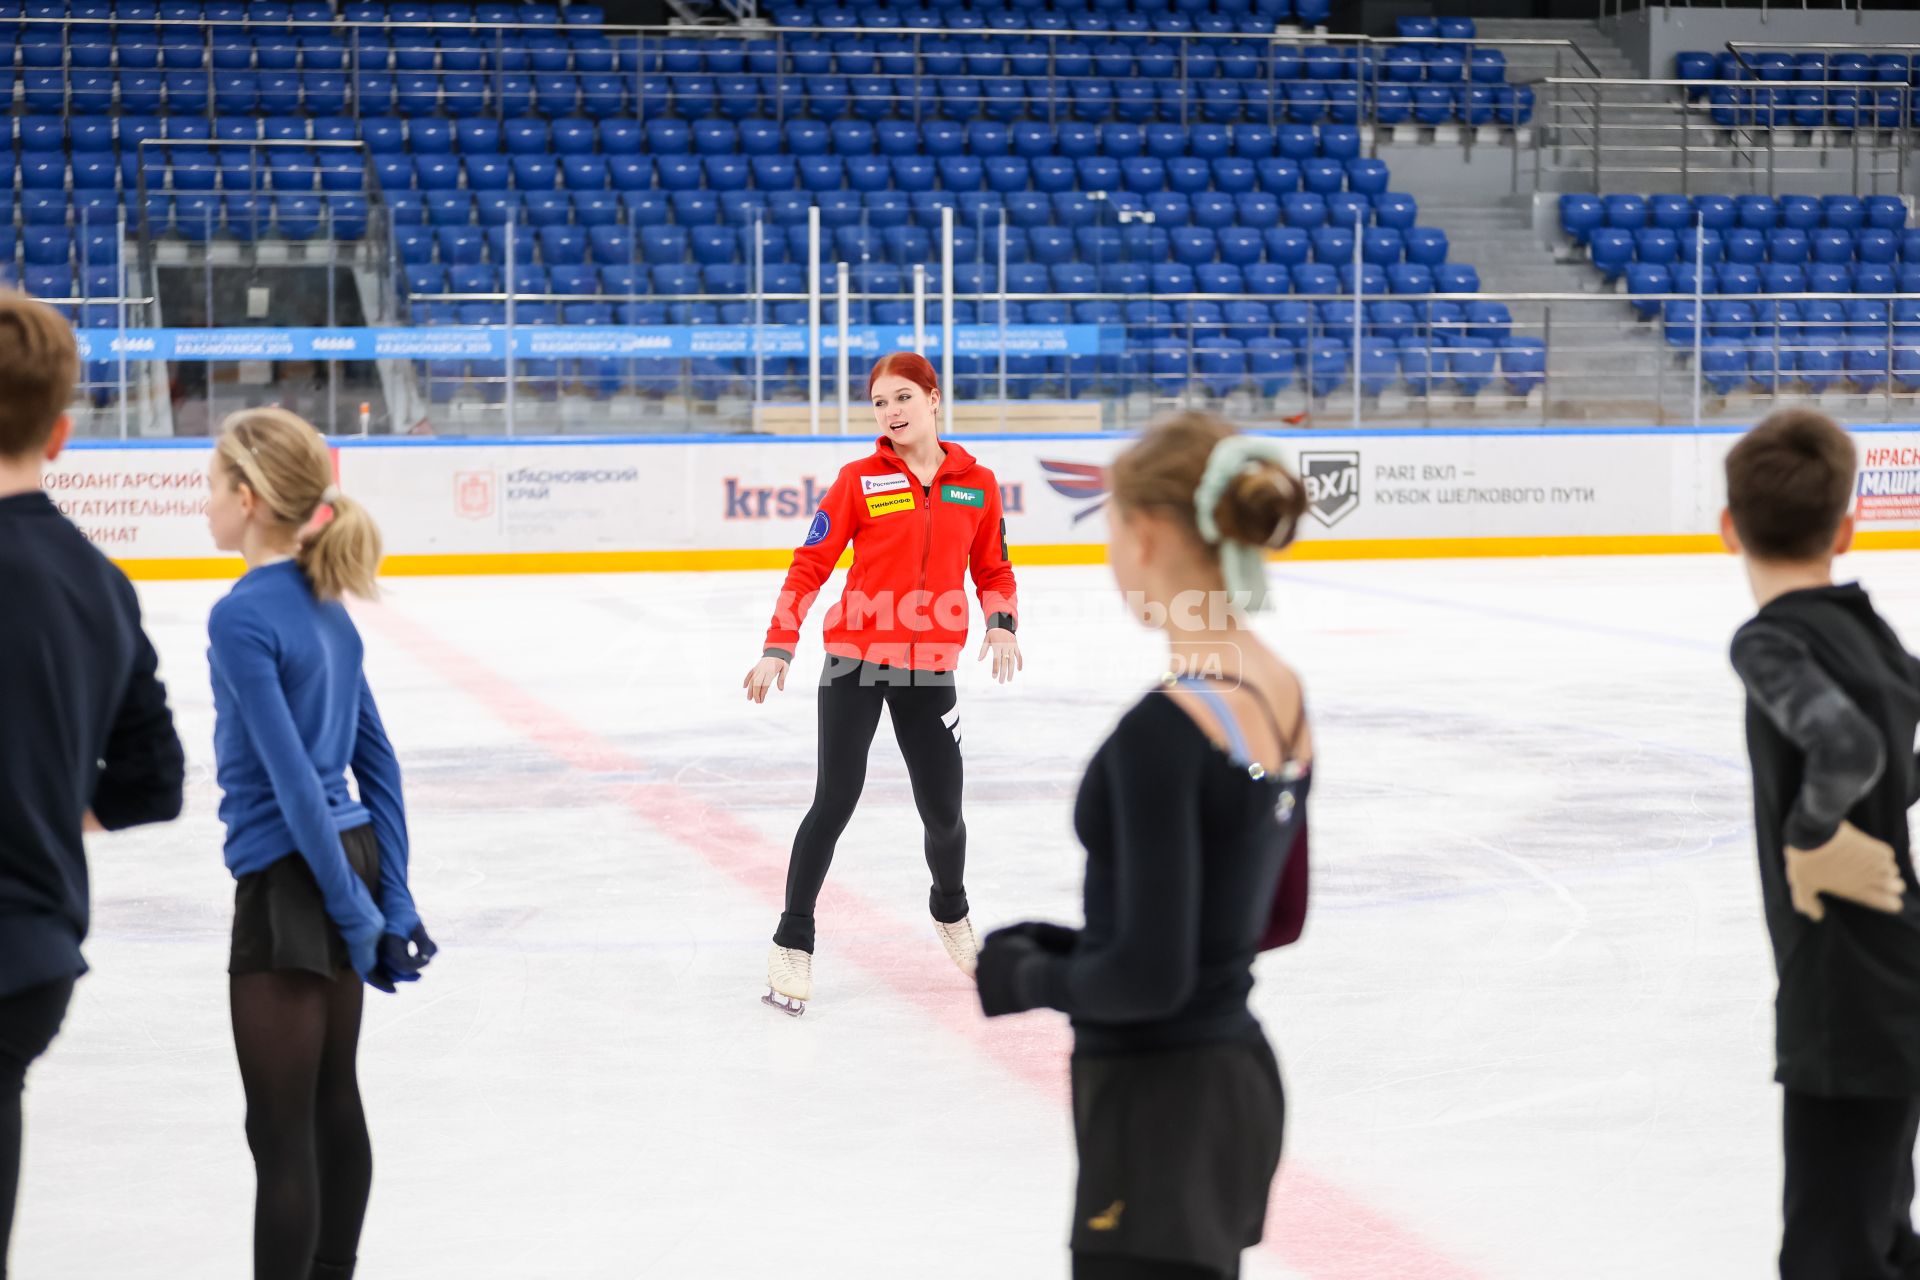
[1088,1266]
[296,1035]
[926,723]
[28,1022]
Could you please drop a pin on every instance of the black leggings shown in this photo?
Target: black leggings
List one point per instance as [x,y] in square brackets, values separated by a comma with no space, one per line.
[926,722]
[28,1022]
[1849,1191]
[296,1034]
[1087,1266]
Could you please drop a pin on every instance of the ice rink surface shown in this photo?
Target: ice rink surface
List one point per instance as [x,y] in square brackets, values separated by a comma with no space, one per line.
[1526,1037]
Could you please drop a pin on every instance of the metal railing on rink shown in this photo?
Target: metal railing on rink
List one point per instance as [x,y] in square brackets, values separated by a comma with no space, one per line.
[1473,359]
[544,347]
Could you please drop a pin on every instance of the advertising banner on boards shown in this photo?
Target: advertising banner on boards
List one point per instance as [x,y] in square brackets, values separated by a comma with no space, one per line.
[746,501]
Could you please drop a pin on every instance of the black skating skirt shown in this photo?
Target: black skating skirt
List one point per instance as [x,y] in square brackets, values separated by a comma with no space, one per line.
[280,920]
[1178,1148]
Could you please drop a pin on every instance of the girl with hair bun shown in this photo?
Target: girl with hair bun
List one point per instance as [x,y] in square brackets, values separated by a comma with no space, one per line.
[1193,814]
[922,516]
[322,903]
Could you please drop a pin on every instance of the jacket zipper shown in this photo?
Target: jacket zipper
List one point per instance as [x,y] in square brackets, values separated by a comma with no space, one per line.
[926,525]
[926,541]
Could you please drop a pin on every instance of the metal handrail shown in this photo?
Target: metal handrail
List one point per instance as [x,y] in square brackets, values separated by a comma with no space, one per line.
[1146,295]
[1363,50]
[1879,46]
[1621,7]
[1605,82]
[756,34]
[1738,49]
[1752,142]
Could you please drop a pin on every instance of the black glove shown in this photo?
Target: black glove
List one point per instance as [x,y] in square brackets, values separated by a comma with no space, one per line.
[1008,970]
[1054,939]
[401,962]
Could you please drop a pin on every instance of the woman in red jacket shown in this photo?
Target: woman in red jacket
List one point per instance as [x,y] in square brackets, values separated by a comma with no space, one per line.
[920,513]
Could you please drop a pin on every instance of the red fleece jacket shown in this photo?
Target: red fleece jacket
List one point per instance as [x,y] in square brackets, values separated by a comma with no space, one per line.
[906,600]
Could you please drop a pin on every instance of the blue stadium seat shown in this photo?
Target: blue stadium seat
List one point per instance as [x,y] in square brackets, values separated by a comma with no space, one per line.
[1799,213]
[1471,364]
[1873,245]
[1315,278]
[1367,177]
[1873,277]
[1410,278]
[1884,213]
[1643,280]
[1427,246]
[1829,277]
[1727,319]
[1782,277]
[1656,246]
[1333,246]
[1304,209]
[1845,213]
[1788,247]
[1323,177]
[1581,216]
[1669,212]
[1328,365]
[1737,278]
[1756,213]
[1831,245]
[1745,246]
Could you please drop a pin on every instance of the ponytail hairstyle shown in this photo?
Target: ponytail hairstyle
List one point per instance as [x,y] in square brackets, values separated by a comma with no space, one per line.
[283,460]
[1230,491]
[1260,504]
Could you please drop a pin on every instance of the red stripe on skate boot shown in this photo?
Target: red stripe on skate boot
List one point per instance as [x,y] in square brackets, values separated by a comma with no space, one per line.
[1317,1228]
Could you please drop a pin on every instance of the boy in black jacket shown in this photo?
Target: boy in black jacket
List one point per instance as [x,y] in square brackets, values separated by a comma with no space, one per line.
[86,739]
[1833,699]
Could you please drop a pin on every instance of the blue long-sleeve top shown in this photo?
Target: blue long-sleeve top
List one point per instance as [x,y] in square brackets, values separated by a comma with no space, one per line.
[292,713]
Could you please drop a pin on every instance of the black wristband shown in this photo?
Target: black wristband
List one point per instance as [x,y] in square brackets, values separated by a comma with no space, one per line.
[784,655]
[1005,621]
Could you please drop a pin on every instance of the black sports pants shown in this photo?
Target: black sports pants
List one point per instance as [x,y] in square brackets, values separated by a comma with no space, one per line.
[28,1022]
[926,722]
[1849,1189]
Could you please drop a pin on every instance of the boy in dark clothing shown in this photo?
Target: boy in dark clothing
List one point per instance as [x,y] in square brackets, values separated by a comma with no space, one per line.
[86,740]
[1833,699]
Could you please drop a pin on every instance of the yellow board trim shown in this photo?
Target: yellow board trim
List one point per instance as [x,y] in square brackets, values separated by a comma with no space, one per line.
[182,570]
[1050,554]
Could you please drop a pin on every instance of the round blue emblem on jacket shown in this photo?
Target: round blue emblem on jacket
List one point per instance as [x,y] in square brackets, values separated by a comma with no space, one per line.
[817,531]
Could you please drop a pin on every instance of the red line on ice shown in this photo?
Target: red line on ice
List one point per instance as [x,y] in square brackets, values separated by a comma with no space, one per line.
[1314,1226]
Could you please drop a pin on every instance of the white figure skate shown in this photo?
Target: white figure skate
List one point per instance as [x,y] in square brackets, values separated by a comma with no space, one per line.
[960,943]
[789,980]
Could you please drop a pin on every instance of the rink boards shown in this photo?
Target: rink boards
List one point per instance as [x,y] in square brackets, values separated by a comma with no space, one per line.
[695,503]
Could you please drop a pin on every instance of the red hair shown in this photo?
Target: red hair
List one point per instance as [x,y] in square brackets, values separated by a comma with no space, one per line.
[910,365]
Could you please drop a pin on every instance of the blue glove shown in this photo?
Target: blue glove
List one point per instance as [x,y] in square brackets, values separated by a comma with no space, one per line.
[402,959]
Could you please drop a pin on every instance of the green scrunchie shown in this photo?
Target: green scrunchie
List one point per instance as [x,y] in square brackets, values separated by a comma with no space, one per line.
[1244,566]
